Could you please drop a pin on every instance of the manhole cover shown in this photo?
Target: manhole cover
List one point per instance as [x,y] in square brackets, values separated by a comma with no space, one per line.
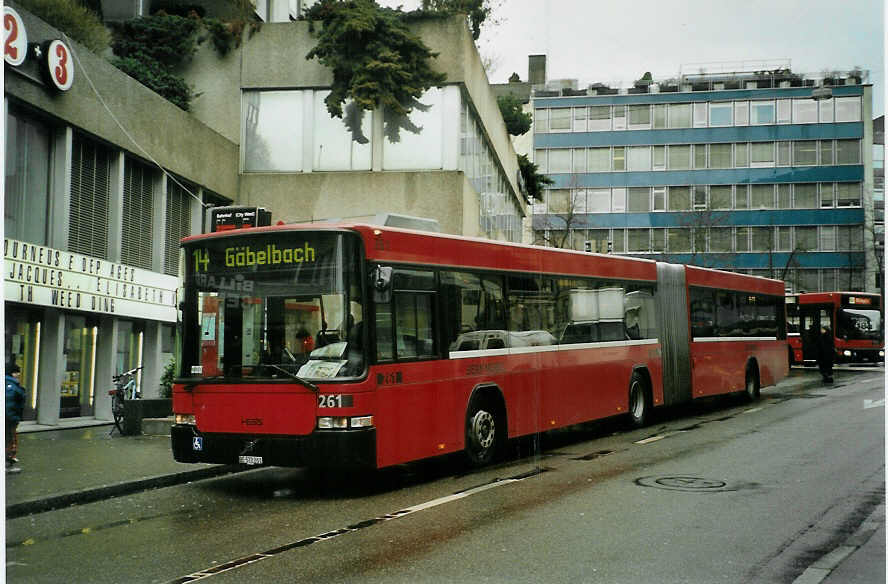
[684,483]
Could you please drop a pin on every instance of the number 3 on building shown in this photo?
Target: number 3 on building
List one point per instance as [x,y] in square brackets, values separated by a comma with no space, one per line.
[61,68]
[15,39]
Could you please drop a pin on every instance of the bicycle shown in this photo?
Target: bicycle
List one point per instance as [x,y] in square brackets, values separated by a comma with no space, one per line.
[124,388]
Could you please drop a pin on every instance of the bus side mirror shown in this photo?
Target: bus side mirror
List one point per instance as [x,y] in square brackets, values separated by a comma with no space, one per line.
[381,280]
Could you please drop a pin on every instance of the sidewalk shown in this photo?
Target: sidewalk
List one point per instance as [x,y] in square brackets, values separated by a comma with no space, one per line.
[85,464]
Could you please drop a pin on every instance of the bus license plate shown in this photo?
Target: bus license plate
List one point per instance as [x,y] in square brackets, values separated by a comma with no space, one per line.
[249,459]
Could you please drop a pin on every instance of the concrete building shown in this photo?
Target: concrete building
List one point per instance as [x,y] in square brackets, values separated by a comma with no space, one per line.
[103,178]
[757,170]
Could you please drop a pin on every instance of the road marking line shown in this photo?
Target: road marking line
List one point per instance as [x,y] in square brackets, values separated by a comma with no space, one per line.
[651,439]
[873,403]
[753,410]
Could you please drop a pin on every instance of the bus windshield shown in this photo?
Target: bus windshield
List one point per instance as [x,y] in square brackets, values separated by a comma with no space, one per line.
[860,325]
[273,305]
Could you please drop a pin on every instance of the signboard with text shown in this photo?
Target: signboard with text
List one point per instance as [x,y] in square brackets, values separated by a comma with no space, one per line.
[43,276]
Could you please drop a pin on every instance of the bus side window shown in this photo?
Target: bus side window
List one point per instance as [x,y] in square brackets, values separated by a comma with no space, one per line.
[405,324]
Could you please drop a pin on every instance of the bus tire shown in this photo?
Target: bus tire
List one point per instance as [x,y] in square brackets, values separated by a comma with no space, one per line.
[639,400]
[484,432]
[752,387]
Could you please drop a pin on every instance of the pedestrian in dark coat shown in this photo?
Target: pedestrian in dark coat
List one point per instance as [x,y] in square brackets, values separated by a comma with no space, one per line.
[15,407]
[826,354]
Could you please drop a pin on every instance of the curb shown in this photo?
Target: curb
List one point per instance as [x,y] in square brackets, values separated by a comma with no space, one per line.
[109,491]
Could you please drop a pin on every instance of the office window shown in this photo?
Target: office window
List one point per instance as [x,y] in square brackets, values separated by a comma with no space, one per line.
[599,118]
[847,109]
[827,238]
[720,196]
[701,114]
[847,151]
[598,200]
[639,117]
[847,194]
[598,239]
[806,238]
[742,239]
[761,154]
[762,238]
[784,157]
[599,159]
[618,239]
[761,197]
[579,160]
[761,112]
[784,239]
[639,240]
[721,114]
[829,280]
[178,224]
[660,115]
[826,152]
[784,196]
[679,198]
[678,240]
[26,196]
[579,119]
[741,113]
[639,200]
[559,160]
[89,210]
[659,161]
[578,196]
[699,197]
[720,156]
[741,197]
[827,109]
[619,117]
[618,200]
[619,158]
[679,115]
[826,195]
[700,235]
[699,155]
[658,240]
[334,148]
[138,214]
[850,237]
[784,111]
[804,111]
[659,199]
[741,154]
[541,120]
[558,200]
[721,239]
[541,159]
[639,158]
[273,130]
[804,152]
[679,157]
[805,196]
[559,119]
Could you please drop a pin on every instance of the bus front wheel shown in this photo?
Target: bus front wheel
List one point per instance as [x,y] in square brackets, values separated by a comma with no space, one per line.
[639,401]
[483,433]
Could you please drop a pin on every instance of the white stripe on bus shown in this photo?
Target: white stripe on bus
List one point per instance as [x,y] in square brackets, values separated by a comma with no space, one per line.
[549,348]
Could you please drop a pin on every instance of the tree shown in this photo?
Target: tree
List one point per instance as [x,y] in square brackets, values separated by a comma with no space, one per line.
[477,11]
[534,182]
[376,62]
[517,121]
[564,213]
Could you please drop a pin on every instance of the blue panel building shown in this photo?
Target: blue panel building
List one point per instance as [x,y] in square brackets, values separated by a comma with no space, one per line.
[763,172]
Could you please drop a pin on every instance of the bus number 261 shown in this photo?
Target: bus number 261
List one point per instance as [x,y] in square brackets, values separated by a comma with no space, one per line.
[336,400]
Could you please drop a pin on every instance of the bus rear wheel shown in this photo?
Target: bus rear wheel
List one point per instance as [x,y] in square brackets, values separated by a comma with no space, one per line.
[483,433]
[753,389]
[639,401]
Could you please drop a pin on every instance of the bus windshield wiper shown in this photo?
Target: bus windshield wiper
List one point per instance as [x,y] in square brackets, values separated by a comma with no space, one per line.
[291,375]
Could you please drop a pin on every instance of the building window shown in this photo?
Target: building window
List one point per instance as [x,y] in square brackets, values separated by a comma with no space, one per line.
[579,119]
[178,224]
[720,239]
[273,131]
[599,118]
[783,153]
[698,194]
[847,151]
[721,114]
[559,160]
[619,117]
[805,196]
[720,156]
[826,152]
[90,198]
[619,158]
[659,115]
[720,197]
[827,109]
[678,240]
[784,111]
[639,240]
[741,113]
[804,111]
[784,239]
[639,117]
[659,199]
[679,198]
[761,197]
[659,161]
[679,115]
[138,215]
[541,120]
[558,200]
[826,195]
[679,157]
[619,200]
[639,200]
[541,159]
[784,196]
[700,155]
[701,114]
[559,119]
[619,241]
[334,148]
[599,201]
[761,113]
[847,194]
[741,155]
[599,159]
[804,153]
[761,154]
[741,197]
[658,240]
[762,238]
[742,239]
[827,238]
[639,158]
[847,109]
[26,196]
[806,238]
[579,160]
[424,150]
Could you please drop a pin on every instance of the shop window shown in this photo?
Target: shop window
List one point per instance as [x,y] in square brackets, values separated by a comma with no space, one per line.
[77,391]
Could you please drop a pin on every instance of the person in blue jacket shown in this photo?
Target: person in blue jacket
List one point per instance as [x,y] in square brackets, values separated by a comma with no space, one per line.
[15,406]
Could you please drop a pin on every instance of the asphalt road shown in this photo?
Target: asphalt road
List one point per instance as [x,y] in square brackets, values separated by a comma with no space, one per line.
[723,491]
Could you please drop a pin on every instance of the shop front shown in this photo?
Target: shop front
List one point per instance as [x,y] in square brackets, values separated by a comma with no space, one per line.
[72,321]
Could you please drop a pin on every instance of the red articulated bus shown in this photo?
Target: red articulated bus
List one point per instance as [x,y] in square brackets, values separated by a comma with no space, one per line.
[855,319]
[350,345]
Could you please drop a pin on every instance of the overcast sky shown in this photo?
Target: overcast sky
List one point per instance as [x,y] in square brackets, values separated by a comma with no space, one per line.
[616,41]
